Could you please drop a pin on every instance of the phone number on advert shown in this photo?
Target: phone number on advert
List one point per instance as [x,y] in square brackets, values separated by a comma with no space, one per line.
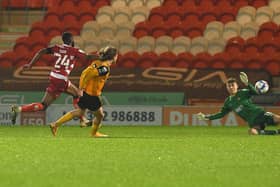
[129,116]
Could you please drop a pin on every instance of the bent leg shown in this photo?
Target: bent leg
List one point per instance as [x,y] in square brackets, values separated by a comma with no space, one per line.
[253,131]
[68,116]
[99,115]
[33,107]
[258,131]
[276,118]
[75,92]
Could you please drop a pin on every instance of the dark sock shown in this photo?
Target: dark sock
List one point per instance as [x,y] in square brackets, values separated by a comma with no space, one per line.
[268,132]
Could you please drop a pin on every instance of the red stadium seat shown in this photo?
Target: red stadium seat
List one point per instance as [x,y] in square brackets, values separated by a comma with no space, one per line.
[52,19]
[18,4]
[202,60]
[41,63]
[5,3]
[156,15]
[166,59]
[176,31]
[85,5]
[226,17]
[273,67]
[269,49]
[173,18]
[190,6]
[235,45]
[159,30]
[69,18]
[35,3]
[218,64]
[254,64]
[20,62]
[170,3]
[51,3]
[259,3]
[67,6]
[240,3]
[208,17]
[182,64]
[193,32]
[226,7]
[4,64]
[86,16]
[148,58]
[37,31]
[251,46]
[101,3]
[191,17]
[141,29]
[74,29]
[22,48]
[186,56]
[8,57]
[220,60]
[128,60]
[53,31]
[236,64]
[37,46]
[267,30]
[206,6]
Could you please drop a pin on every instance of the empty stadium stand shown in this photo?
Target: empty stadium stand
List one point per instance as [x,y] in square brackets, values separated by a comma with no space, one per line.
[235,34]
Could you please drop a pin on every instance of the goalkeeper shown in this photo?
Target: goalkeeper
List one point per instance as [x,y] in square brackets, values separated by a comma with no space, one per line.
[240,102]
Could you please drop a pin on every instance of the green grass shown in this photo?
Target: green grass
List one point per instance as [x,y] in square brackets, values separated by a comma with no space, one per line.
[138,156]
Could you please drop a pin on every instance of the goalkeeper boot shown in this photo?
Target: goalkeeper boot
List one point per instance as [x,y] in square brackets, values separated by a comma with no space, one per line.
[14,113]
[99,135]
[53,128]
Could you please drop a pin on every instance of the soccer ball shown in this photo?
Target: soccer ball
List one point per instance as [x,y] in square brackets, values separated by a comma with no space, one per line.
[262,86]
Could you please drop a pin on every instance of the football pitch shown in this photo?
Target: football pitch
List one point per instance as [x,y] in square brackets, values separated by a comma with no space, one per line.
[138,156]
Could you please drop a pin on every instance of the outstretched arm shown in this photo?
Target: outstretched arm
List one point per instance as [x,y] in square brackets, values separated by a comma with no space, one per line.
[218,115]
[92,57]
[245,81]
[37,57]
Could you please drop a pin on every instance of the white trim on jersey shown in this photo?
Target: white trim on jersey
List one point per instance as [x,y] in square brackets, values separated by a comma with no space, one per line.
[58,76]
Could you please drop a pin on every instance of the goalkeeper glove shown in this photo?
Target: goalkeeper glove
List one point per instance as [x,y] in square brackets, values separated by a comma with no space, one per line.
[201,116]
[102,70]
[244,78]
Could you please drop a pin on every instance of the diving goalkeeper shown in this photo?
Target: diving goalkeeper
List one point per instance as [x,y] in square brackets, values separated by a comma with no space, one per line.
[240,102]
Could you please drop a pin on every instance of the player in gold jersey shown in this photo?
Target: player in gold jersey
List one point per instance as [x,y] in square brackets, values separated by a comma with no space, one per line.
[92,81]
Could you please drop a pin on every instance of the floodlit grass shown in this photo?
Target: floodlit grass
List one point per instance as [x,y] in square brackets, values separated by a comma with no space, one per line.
[138,156]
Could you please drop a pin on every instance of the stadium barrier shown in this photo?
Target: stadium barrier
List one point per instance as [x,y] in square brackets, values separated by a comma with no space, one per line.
[131,115]
[108,98]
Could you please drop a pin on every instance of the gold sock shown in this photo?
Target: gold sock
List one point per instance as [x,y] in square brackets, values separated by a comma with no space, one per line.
[94,129]
[66,117]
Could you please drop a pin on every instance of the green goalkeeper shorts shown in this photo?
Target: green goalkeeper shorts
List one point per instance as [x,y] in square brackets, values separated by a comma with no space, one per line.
[263,120]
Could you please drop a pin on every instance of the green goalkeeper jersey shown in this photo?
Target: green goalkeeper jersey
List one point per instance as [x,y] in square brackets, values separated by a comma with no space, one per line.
[241,104]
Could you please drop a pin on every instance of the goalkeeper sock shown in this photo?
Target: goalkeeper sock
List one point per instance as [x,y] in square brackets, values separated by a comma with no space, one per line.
[33,107]
[268,132]
[66,117]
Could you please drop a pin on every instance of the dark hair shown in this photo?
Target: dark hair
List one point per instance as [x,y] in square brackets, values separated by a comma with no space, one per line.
[107,53]
[67,38]
[231,80]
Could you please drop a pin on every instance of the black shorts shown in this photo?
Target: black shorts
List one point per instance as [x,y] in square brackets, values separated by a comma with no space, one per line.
[263,120]
[92,103]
